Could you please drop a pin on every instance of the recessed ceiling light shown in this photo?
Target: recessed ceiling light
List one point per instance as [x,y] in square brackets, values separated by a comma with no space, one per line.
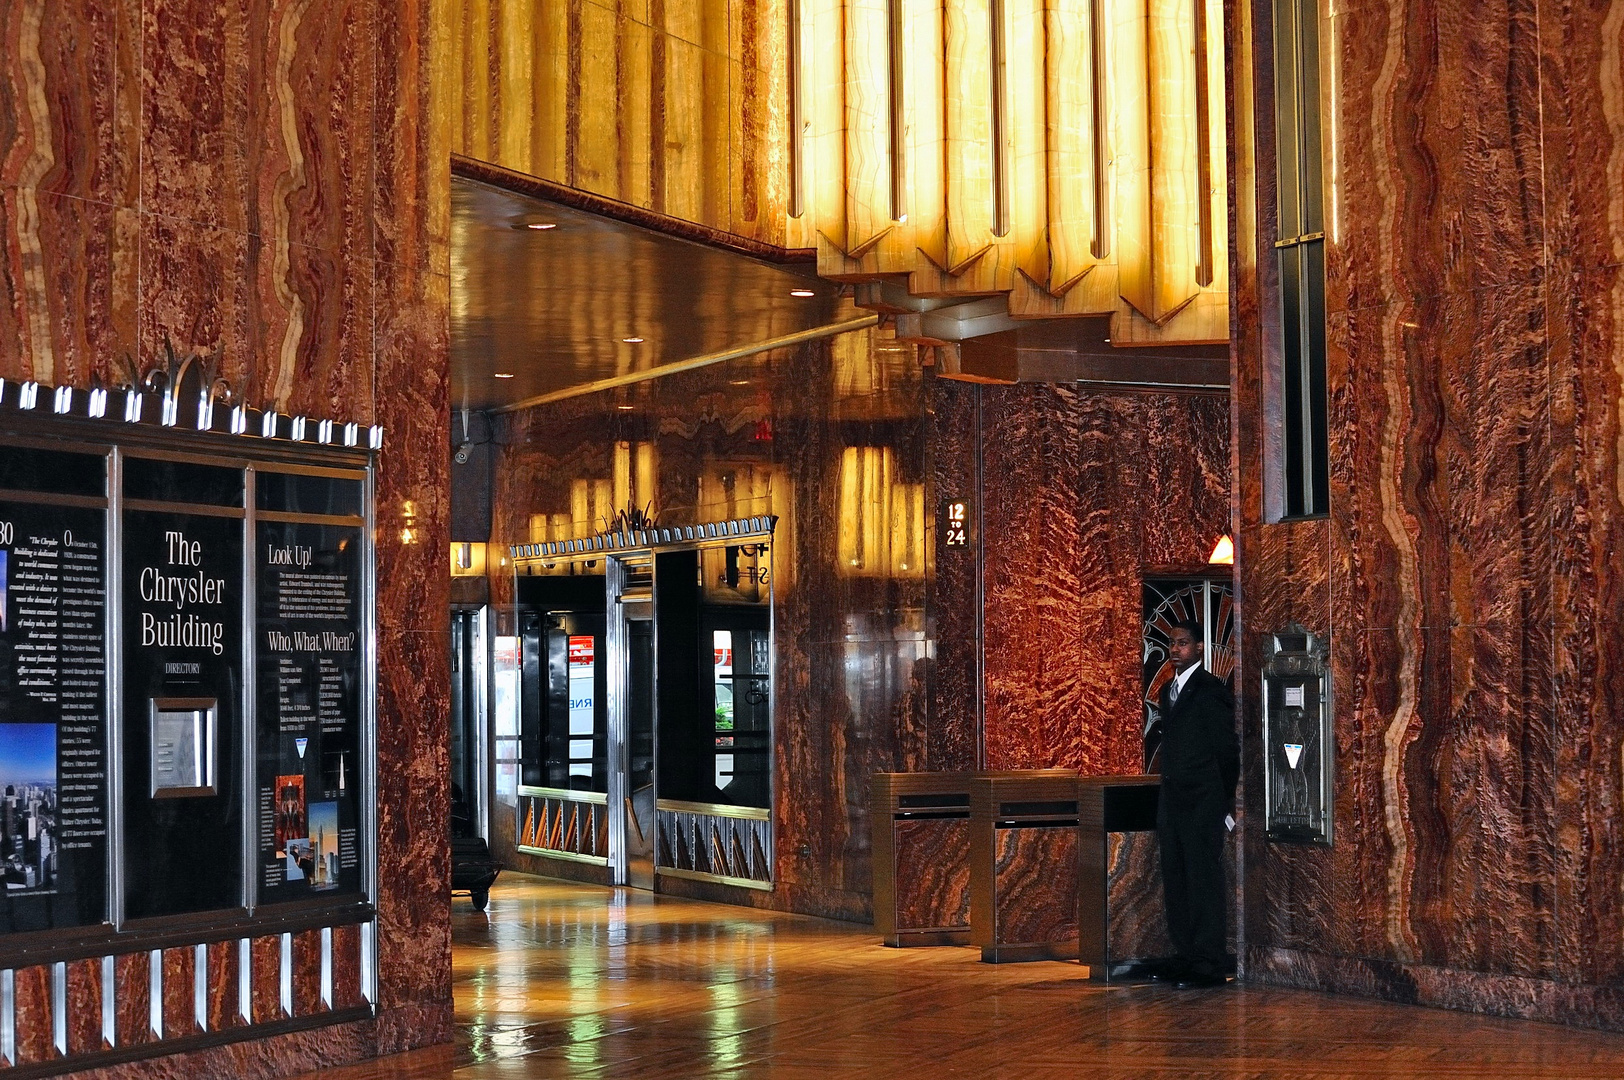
[741,382]
[626,408]
[802,292]
[632,340]
[543,225]
[504,375]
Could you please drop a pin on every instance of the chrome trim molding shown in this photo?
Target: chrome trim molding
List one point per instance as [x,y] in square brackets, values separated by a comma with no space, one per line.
[645,539]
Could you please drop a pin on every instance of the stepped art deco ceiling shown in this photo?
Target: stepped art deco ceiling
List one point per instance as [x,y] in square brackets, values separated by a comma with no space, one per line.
[989,163]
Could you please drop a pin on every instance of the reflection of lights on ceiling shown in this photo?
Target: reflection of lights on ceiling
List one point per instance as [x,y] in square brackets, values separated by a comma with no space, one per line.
[1223,552]
[632,340]
[543,225]
[740,382]
[802,292]
[504,375]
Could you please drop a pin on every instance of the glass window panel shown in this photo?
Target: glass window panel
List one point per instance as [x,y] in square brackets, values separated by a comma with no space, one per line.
[298,493]
[26,469]
[182,482]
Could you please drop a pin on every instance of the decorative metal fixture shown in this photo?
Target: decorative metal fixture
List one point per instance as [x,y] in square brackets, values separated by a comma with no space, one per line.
[655,536]
[173,382]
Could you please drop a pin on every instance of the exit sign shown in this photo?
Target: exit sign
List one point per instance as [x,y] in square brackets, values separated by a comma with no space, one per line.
[955,523]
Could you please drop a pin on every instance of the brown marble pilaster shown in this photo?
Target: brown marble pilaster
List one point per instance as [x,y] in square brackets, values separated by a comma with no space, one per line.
[32,987]
[265,979]
[954,735]
[84,1009]
[225,1008]
[307,973]
[346,966]
[180,992]
[132,999]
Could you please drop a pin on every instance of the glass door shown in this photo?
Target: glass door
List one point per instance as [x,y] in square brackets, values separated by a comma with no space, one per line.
[469,797]
[631,840]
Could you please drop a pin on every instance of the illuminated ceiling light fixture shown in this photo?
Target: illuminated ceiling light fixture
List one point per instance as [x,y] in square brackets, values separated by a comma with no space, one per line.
[625,408]
[503,375]
[802,292]
[543,225]
[632,340]
[1223,552]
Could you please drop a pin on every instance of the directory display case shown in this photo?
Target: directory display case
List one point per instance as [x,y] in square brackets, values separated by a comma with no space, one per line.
[186,689]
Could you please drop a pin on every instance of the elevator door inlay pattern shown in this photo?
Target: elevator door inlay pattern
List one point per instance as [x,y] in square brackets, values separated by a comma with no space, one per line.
[565,980]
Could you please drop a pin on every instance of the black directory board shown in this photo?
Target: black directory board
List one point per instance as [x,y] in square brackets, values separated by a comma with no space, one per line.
[53,696]
[308,653]
[182,638]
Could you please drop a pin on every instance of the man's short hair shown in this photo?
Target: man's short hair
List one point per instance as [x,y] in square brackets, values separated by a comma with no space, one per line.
[1197,634]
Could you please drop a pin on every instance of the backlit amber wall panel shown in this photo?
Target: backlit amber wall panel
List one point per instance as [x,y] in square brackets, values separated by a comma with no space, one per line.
[1051,150]
[674,106]
[269,181]
[1471,572]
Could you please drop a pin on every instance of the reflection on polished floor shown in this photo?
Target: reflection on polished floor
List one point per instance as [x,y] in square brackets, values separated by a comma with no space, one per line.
[562,980]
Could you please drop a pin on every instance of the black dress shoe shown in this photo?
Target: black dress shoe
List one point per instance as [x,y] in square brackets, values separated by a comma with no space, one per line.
[1168,970]
[1202,981]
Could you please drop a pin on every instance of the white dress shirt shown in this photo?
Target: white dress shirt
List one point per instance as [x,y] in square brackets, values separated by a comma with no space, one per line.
[1179,680]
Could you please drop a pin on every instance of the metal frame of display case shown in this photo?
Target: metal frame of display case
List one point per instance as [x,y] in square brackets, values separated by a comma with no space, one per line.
[123,424]
[757,821]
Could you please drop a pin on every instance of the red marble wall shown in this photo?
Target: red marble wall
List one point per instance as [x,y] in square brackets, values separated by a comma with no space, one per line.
[1085,494]
[269,180]
[1470,572]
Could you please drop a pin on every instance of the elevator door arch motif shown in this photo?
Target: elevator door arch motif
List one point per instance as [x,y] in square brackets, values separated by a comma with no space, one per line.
[1166,604]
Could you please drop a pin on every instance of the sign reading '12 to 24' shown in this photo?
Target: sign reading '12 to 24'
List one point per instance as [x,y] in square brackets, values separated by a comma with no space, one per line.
[955,523]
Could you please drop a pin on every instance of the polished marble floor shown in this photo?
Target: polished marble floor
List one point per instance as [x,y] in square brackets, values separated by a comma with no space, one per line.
[560,980]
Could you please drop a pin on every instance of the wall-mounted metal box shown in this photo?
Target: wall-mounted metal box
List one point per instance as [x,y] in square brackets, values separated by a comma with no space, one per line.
[1297,738]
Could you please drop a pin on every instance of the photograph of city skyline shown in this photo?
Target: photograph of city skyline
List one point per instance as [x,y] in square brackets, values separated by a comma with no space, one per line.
[28,807]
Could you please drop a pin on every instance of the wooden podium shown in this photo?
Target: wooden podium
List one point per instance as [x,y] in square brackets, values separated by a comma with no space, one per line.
[921,857]
[1023,865]
[1119,881]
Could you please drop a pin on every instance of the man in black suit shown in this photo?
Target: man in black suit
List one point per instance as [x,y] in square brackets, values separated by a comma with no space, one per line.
[1200,764]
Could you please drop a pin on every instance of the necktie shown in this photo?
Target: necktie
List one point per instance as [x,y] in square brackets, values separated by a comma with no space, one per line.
[1173,694]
